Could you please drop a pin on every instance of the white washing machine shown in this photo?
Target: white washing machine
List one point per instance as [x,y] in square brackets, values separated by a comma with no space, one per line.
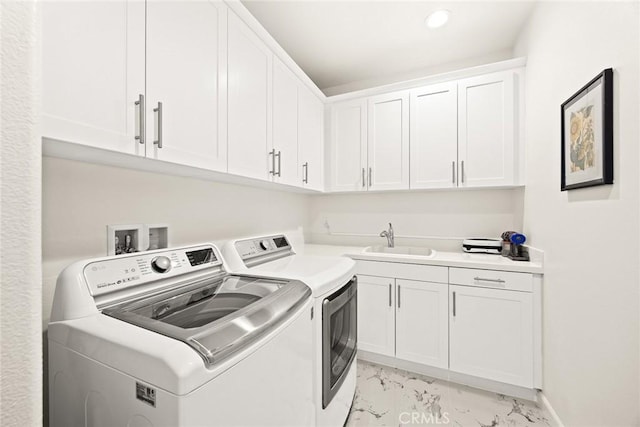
[169,338]
[334,287]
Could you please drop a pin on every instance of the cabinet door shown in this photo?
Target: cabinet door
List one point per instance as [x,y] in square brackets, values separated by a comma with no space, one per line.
[388,145]
[93,73]
[184,48]
[491,334]
[349,146]
[285,124]
[311,139]
[486,107]
[376,311]
[248,102]
[434,136]
[422,322]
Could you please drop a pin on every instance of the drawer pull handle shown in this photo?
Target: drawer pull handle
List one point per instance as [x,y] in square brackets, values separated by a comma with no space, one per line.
[482,279]
[389,294]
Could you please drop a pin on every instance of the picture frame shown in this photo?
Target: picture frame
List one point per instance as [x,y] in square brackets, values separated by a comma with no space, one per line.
[587,135]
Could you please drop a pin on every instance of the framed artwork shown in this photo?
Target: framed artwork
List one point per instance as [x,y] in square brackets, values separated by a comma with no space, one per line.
[587,135]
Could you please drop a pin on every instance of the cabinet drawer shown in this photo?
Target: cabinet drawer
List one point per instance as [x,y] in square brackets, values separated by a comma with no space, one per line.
[491,279]
[425,273]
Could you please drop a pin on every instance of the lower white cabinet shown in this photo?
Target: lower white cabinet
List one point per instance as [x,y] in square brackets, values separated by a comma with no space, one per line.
[422,322]
[376,314]
[468,321]
[406,319]
[491,334]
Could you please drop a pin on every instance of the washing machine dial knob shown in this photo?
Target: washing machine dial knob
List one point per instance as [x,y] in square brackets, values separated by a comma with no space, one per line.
[264,244]
[161,264]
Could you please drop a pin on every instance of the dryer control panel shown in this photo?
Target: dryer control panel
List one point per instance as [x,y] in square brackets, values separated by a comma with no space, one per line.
[126,271]
[263,248]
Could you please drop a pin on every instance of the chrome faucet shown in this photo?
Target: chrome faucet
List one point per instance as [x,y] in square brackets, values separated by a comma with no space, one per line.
[389,235]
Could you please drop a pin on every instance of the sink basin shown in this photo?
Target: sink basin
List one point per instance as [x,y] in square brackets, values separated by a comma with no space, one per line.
[401,250]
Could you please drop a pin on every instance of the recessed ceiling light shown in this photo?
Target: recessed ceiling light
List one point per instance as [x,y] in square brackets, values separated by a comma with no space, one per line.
[437,19]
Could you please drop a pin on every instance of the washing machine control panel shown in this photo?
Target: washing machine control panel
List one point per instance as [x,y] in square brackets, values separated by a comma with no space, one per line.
[263,246]
[126,271]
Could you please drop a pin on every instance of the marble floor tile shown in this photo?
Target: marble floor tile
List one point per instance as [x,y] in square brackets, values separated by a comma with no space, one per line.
[393,397]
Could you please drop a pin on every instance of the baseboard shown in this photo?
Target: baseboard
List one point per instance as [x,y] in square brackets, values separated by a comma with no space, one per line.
[446,375]
[555,420]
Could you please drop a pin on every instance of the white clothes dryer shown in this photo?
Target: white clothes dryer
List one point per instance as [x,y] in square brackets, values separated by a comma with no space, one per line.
[334,288]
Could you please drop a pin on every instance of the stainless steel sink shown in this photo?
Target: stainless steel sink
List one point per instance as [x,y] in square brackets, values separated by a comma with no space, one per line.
[401,250]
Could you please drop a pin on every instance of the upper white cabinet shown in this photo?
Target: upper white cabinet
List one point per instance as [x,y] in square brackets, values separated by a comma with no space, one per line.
[185,45]
[248,103]
[310,139]
[93,58]
[284,154]
[197,83]
[461,133]
[487,130]
[388,142]
[94,78]
[370,144]
[434,136]
[348,149]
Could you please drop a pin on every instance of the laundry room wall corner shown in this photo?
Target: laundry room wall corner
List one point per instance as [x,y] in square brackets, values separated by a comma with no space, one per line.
[20,224]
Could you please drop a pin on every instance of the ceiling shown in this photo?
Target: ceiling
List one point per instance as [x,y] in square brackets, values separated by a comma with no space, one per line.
[338,43]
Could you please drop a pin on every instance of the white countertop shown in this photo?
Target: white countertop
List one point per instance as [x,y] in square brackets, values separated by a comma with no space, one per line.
[448,259]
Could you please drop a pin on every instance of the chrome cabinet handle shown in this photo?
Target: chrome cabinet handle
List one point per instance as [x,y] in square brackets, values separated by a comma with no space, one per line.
[389,294]
[454,304]
[398,296]
[158,110]
[140,104]
[482,279]
[453,172]
[272,154]
[462,172]
[279,155]
[370,177]
[305,172]
[363,181]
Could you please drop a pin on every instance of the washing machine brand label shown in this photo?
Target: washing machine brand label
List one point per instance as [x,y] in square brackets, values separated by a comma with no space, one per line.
[146,394]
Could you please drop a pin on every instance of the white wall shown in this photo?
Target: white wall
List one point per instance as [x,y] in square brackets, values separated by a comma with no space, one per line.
[81,199]
[457,214]
[20,293]
[590,236]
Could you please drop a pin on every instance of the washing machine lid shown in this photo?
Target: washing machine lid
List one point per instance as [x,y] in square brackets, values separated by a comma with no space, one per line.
[217,316]
[321,273]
